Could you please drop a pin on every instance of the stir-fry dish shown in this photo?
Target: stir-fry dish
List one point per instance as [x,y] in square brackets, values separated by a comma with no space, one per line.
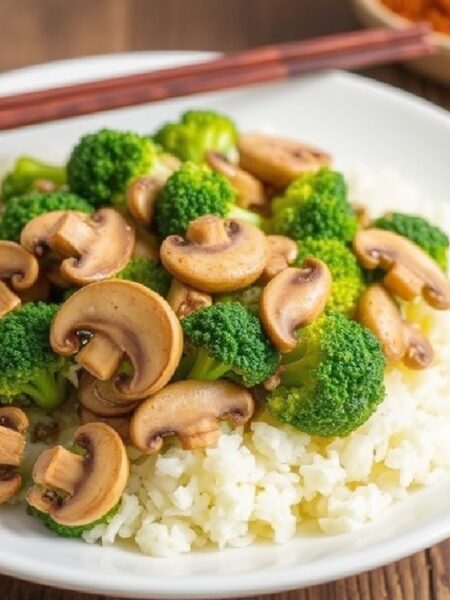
[207,337]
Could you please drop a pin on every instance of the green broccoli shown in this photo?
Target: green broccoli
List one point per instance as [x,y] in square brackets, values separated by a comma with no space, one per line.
[429,237]
[28,366]
[348,277]
[315,205]
[333,381]
[22,209]
[25,173]
[148,273]
[192,191]
[104,163]
[66,531]
[196,132]
[229,341]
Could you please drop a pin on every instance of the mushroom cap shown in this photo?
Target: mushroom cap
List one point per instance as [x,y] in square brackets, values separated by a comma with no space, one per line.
[419,352]
[276,160]
[93,484]
[378,311]
[100,399]
[292,299]
[218,255]
[141,196]
[138,321]
[411,271]
[10,484]
[190,410]
[282,252]
[185,300]
[17,265]
[13,425]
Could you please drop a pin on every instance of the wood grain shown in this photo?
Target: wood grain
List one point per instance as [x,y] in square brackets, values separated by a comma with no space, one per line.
[33,31]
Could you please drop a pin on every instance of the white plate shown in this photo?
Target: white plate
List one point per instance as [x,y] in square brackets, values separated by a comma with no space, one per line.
[359,121]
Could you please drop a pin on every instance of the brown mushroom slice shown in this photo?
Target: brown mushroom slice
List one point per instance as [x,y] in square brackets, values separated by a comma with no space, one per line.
[99,246]
[218,255]
[282,252]
[140,323]
[189,410]
[292,299]
[100,399]
[121,425]
[13,425]
[185,300]
[38,292]
[411,272]
[250,191]
[77,490]
[141,198]
[419,352]
[19,269]
[35,234]
[278,161]
[378,311]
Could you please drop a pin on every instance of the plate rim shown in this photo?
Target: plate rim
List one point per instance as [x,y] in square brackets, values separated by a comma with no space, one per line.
[426,534]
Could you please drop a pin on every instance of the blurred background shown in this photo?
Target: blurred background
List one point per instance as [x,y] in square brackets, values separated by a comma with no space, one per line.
[34,31]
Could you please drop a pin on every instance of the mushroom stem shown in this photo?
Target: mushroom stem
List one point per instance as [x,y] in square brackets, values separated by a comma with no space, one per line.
[100,356]
[282,252]
[59,468]
[12,444]
[207,230]
[71,234]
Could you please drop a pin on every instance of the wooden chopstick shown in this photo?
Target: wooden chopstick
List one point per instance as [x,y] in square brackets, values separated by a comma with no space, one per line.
[270,63]
[246,58]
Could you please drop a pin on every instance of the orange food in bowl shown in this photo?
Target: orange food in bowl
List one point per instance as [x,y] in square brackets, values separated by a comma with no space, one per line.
[437,12]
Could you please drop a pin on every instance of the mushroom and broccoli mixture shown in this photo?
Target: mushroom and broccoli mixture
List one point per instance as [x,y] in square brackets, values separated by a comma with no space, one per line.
[156,285]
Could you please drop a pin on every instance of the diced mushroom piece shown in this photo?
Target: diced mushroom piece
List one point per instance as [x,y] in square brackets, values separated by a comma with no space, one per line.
[13,426]
[36,233]
[98,246]
[140,324]
[189,410]
[100,399]
[282,252]
[400,340]
[121,425]
[185,300]
[19,270]
[293,299]
[250,191]
[278,161]
[78,490]
[218,255]
[411,272]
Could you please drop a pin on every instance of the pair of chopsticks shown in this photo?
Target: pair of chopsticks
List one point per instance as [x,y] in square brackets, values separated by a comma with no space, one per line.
[260,65]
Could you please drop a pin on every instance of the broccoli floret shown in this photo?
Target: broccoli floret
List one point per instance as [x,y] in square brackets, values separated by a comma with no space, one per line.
[25,172]
[229,341]
[22,209]
[196,132]
[315,205]
[148,273]
[28,366]
[192,191]
[103,164]
[429,237]
[348,277]
[64,530]
[249,297]
[335,380]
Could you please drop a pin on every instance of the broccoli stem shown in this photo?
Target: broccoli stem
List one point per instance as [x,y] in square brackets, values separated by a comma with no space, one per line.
[206,368]
[247,216]
[297,373]
[38,170]
[48,390]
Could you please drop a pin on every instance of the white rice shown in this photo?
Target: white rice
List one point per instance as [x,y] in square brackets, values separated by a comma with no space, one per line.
[261,484]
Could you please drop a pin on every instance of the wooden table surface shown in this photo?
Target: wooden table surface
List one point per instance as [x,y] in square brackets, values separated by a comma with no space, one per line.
[33,31]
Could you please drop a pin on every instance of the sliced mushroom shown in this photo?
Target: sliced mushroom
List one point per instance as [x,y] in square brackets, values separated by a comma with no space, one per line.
[141,198]
[250,191]
[20,269]
[38,292]
[13,425]
[99,246]
[411,272]
[77,490]
[400,340]
[190,410]
[362,214]
[139,322]
[36,233]
[278,161]
[100,399]
[292,299]
[121,425]
[282,252]
[218,255]
[185,300]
